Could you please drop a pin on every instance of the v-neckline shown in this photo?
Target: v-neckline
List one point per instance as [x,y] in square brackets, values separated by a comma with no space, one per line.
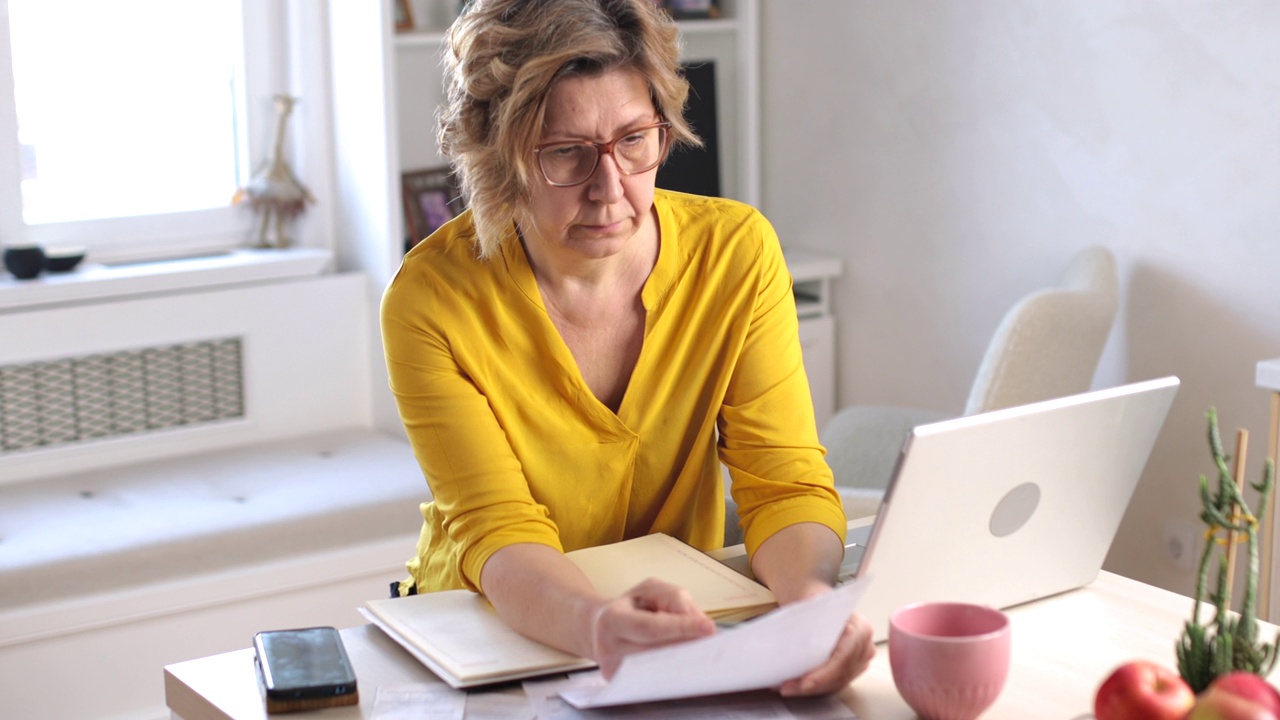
[660,278]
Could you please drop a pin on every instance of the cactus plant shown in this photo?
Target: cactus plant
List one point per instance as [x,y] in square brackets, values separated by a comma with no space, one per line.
[1230,640]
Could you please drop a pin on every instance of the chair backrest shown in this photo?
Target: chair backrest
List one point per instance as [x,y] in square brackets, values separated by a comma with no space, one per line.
[1049,343]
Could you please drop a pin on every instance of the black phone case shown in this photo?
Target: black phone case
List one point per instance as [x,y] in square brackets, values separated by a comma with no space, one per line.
[303,668]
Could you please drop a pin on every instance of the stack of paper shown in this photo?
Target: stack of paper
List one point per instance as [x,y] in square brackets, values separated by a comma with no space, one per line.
[718,590]
[461,638]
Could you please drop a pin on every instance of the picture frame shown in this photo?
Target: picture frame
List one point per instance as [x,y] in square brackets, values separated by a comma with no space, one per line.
[404,16]
[691,9]
[431,199]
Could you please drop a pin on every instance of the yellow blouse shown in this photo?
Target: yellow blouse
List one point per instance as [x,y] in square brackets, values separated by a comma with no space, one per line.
[516,448]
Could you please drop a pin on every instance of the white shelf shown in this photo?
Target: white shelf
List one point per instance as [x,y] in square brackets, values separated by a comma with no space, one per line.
[808,265]
[1269,374]
[724,25]
[100,282]
[703,27]
[435,38]
[420,38]
[812,274]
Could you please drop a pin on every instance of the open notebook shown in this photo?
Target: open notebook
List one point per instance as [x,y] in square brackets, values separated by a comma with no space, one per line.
[461,638]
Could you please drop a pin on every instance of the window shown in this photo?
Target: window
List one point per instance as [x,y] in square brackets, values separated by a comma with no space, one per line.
[126,126]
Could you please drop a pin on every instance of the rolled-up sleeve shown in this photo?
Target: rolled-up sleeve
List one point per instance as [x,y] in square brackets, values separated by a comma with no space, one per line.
[768,433]
[478,485]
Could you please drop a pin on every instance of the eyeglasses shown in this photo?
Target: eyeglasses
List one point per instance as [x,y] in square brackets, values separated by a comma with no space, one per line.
[638,150]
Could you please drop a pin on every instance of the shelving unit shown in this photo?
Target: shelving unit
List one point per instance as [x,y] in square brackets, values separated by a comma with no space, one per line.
[388,85]
[730,40]
[812,274]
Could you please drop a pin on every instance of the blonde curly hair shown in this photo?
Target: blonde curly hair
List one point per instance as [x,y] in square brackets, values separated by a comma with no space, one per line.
[501,59]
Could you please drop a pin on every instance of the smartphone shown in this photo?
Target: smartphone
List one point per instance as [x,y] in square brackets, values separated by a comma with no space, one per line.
[304,668]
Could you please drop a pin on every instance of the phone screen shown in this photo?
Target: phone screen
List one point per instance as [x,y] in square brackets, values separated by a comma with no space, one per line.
[304,663]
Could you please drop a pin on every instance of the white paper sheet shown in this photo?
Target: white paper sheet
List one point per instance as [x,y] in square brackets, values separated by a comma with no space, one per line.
[758,705]
[419,702]
[762,653]
[507,703]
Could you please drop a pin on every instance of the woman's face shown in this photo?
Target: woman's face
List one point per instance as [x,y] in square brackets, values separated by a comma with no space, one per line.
[598,217]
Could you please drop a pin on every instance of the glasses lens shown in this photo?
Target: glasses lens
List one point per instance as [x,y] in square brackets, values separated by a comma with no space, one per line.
[639,151]
[572,163]
[567,164]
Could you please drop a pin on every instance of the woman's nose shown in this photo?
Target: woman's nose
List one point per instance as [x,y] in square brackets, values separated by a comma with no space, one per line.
[605,184]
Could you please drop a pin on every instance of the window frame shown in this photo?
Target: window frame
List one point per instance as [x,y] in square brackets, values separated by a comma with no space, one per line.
[274,48]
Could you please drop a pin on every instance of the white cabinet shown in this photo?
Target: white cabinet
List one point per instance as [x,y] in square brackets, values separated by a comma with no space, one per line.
[812,274]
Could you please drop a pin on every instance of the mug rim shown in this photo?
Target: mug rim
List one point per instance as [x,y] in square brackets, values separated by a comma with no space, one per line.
[1003,627]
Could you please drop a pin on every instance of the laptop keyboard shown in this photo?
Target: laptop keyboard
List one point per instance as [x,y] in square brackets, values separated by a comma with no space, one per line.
[849,567]
[855,545]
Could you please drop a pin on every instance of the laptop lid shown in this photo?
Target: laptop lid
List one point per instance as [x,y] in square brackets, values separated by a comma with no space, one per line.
[1012,505]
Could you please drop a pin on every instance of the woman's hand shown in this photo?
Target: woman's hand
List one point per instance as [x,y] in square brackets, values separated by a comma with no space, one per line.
[649,615]
[851,656]
[799,562]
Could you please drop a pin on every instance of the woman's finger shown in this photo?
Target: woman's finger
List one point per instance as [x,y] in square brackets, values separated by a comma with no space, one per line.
[652,614]
[850,657]
[660,596]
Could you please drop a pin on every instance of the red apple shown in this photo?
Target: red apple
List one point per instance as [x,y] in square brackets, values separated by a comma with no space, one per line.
[1143,690]
[1237,696]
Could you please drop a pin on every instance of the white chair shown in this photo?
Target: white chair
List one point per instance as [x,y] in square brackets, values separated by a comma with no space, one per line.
[1046,346]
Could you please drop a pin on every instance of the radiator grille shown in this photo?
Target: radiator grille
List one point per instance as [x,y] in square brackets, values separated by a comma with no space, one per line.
[70,400]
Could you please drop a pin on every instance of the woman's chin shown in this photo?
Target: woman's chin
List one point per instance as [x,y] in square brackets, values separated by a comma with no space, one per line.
[598,247]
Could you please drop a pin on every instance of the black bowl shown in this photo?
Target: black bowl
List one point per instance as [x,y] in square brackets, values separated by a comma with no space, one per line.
[24,261]
[63,259]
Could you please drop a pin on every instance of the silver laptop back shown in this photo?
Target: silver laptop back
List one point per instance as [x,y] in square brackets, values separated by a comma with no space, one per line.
[1012,505]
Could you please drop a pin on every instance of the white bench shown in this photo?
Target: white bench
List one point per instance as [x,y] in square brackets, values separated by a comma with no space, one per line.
[121,555]
[108,576]
[106,530]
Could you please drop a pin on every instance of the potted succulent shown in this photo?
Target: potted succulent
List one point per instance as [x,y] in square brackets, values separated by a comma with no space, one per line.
[1229,642]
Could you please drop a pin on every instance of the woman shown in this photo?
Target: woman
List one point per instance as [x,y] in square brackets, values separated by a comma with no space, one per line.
[575,355]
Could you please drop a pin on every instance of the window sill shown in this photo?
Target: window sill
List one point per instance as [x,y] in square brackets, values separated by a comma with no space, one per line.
[106,282]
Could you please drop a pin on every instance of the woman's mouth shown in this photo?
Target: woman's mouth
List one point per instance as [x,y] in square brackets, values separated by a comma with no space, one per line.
[605,228]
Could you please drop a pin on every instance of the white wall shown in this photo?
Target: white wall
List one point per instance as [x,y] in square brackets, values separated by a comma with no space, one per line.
[956,154]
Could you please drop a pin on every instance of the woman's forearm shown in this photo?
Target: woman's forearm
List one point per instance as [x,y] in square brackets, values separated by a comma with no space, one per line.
[799,561]
[543,595]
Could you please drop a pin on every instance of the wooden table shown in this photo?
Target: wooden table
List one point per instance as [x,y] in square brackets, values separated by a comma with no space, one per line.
[1063,647]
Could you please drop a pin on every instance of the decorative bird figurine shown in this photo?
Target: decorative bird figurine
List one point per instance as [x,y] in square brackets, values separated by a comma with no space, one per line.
[273,191]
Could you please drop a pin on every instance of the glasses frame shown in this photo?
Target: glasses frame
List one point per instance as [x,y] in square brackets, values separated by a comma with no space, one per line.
[603,149]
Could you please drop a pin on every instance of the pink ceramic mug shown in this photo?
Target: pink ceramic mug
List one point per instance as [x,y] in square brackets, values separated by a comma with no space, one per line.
[949,660]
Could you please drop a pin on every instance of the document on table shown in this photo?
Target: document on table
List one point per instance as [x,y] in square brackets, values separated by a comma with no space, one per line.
[543,697]
[762,653]
[419,702]
[433,701]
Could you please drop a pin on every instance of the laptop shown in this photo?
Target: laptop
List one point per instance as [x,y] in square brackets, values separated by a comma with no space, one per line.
[1008,506]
